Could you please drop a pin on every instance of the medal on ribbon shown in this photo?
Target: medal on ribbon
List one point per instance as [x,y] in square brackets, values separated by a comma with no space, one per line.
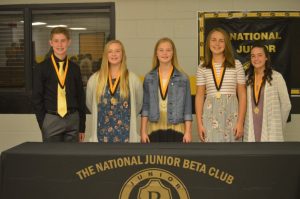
[61,78]
[163,87]
[256,93]
[113,89]
[218,80]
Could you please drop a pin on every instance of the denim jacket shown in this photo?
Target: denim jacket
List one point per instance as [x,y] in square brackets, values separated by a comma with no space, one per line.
[179,107]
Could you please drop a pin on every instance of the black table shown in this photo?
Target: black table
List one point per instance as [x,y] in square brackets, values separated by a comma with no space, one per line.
[163,170]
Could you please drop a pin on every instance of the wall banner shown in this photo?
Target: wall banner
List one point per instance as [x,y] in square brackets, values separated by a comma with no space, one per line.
[245,28]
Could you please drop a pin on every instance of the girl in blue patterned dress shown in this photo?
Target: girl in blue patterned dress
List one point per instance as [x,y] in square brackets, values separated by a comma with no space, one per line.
[114,96]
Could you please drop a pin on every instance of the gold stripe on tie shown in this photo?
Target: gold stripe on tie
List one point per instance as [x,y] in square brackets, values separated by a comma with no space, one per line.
[61,93]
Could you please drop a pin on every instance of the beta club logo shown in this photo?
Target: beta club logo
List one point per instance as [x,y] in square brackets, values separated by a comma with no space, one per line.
[154,183]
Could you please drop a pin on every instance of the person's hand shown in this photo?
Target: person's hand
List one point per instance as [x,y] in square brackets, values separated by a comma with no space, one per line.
[201,133]
[238,131]
[145,138]
[81,137]
[187,138]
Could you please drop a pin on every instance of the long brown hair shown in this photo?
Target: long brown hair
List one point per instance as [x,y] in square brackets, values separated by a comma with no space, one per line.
[268,68]
[228,52]
[104,72]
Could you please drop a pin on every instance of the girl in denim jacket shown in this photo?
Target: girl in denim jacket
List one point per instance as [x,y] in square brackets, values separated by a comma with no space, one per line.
[167,106]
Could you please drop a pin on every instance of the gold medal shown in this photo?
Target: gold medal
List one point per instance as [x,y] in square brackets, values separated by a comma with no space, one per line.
[113,101]
[218,95]
[163,104]
[256,110]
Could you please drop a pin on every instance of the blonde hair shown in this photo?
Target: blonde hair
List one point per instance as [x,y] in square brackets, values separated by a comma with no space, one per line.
[228,52]
[174,60]
[104,72]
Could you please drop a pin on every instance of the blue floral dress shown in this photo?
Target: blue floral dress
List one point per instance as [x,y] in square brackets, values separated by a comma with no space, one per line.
[113,117]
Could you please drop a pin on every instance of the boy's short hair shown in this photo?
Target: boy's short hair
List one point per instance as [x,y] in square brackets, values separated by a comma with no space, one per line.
[60,30]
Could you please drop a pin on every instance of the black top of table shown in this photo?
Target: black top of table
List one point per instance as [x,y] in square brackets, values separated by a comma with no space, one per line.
[283,148]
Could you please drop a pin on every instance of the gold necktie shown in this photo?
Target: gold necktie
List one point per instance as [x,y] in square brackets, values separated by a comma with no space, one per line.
[61,94]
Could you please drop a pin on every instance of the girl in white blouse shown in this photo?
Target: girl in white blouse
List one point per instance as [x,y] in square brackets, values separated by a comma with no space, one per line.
[221,92]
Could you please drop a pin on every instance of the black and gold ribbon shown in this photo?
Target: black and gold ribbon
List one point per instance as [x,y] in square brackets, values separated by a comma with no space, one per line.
[61,78]
[163,88]
[113,86]
[256,93]
[218,80]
